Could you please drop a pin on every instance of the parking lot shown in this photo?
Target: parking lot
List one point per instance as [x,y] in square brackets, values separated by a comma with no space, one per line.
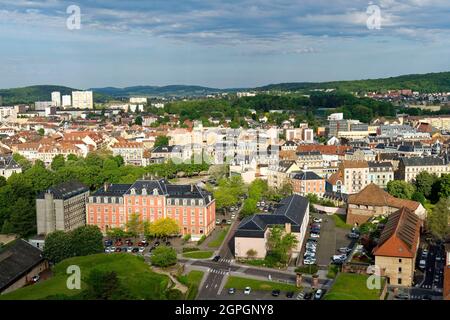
[265,295]
[331,239]
[133,246]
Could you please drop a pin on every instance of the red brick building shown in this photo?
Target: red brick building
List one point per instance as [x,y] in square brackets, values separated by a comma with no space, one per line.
[307,182]
[192,207]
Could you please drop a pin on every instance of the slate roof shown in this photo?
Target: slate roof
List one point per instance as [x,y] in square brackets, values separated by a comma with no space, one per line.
[8,163]
[306,175]
[422,161]
[65,190]
[112,190]
[17,259]
[290,210]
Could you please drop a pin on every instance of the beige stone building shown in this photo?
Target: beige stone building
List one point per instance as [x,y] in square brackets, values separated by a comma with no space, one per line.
[396,251]
[62,207]
[373,201]
[409,168]
[278,174]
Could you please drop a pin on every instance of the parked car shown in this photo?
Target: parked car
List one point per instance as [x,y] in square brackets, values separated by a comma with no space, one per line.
[130,249]
[275,293]
[136,250]
[290,294]
[345,250]
[216,259]
[141,249]
[157,243]
[318,294]
[231,291]
[247,290]
[233,216]
[118,249]
[315,235]
[108,243]
[309,261]
[228,221]
[217,221]
[307,296]
[224,221]
[36,278]
[353,235]
[317,220]
[422,264]
[402,296]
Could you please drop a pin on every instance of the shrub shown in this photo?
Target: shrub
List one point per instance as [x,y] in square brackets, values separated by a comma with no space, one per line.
[203,238]
[164,256]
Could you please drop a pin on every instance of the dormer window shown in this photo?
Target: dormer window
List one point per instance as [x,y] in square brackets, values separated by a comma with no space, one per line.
[133,191]
[144,191]
[155,192]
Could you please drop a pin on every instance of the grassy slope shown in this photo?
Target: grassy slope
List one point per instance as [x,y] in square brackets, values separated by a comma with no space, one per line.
[350,286]
[219,239]
[132,270]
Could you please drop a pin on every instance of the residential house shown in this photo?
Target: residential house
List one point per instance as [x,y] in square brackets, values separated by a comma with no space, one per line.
[373,201]
[8,166]
[409,168]
[252,234]
[396,251]
[306,182]
[278,174]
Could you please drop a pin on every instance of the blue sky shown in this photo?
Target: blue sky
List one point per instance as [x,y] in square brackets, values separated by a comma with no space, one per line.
[219,43]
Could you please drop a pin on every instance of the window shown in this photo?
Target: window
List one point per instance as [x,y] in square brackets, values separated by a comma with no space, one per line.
[400,270]
[399,260]
[399,281]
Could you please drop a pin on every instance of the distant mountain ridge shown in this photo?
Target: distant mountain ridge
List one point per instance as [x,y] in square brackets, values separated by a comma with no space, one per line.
[429,82]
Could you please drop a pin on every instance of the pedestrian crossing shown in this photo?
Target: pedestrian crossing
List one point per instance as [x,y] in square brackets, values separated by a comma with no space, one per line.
[218,271]
[223,260]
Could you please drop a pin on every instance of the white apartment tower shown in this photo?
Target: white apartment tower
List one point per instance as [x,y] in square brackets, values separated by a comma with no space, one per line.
[56,98]
[82,100]
[66,100]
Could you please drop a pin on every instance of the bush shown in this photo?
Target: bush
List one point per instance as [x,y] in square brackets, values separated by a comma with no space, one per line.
[186,238]
[174,294]
[164,256]
[310,269]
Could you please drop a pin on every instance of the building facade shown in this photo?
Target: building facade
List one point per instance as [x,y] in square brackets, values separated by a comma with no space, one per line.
[82,100]
[192,207]
[307,182]
[409,168]
[62,207]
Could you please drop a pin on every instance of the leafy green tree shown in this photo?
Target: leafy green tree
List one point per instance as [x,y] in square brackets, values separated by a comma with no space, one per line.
[281,243]
[424,183]
[116,233]
[138,121]
[419,197]
[249,207]
[164,227]
[105,285]
[400,189]
[22,161]
[161,141]
[58,246]
[444,186]
[41,132]
[224,198]
[2,181]
[164,256]
[58,162]
[438,220]
[72,157]
[134,225]
[86,240]
[23,218]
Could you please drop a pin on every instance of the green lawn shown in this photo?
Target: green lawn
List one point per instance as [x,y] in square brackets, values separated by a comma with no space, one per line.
[352,286]
[192,280]
[339,221]
[135,274]
[258,285]
[217,242]
[198,254]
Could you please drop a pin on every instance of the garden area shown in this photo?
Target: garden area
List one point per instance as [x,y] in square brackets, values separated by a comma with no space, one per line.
[352,286]
[217,242]
[197,254]
[192,280]
[106,277]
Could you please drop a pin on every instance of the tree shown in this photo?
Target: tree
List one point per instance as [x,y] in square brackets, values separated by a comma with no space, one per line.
[115,233]
[164,256]
[164,227]
[281,243]
[58,246]
[224,198]
[86,240]
[23,218]
[2,181]
[22,161]
[105,285]
[58,162]
[249,207]
[161,141]
[138,121]
[72,157]
[41,132]
[134,226]
[424,183]
[438,220]
[400,189]
[444,186]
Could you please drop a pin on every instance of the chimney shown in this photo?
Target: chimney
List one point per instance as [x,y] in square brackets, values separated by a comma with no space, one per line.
[287,227]
[192,188]
[105,186]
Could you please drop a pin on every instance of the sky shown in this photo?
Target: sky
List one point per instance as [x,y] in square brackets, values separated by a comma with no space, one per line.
[222,44]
